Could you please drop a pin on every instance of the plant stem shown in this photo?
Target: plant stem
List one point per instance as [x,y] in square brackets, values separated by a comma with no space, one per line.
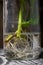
[18,32]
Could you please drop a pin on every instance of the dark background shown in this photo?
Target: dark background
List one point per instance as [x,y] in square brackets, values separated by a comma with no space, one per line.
[1,22]
[41,20]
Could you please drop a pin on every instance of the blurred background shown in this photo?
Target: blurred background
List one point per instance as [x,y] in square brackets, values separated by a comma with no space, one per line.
[1,22]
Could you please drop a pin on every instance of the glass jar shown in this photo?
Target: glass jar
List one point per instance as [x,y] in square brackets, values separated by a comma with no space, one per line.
[28,44]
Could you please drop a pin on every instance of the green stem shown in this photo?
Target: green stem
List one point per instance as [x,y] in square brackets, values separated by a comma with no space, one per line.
[26,23]
[18,32]
[19,23]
